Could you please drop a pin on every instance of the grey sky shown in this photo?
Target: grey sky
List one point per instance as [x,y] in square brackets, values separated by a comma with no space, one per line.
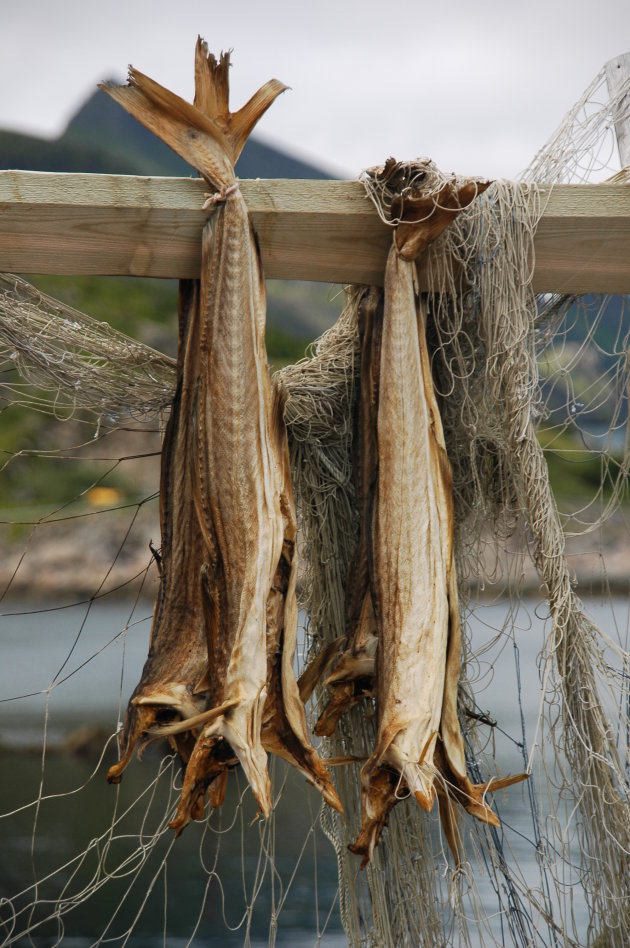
[477,86]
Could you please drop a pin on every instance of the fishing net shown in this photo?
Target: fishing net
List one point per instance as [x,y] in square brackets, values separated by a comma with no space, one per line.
[82,860]
[490,335]
[65,361]
[529,388]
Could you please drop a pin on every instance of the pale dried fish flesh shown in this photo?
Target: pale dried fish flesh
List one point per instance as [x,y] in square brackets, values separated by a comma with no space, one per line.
[419,746]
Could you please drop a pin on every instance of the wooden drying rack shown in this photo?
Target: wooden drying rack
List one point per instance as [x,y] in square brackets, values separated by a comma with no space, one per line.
[308,230]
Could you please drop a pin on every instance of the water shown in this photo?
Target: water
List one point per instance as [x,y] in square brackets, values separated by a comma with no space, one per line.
[67,667]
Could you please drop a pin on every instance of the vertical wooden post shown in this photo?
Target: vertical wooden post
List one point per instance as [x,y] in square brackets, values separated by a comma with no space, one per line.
[617,73]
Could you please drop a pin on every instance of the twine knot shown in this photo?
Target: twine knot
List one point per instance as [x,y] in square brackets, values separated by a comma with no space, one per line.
[219,197]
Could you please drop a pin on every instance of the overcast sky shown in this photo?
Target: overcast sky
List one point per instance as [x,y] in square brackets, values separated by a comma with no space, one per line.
[477,85]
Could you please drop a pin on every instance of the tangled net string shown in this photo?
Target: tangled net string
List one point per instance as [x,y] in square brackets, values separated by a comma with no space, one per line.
[65,361]
[515,379]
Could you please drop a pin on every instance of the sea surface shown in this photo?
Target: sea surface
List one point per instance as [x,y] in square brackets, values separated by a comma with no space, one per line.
[68,667]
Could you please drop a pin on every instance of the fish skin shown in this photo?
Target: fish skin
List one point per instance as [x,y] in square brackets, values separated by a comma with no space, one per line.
[419,746]
[236,460]
[246,510]
[411,558]
[177,659]
[353,676]
[237,495]
[284,728]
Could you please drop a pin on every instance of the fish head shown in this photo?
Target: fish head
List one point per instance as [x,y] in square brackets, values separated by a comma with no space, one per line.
[153,707]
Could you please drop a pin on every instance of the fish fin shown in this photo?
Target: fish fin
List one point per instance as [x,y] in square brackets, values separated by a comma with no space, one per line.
[212,83]
[278,739]
[284,729]
[205,683]
[344,695]
[426,800]
[317,667]
[499,783]
[425,217]
[139,721]
[351,667]
[287,737]
[378,798]
[239,724]
[195,137]
[207,769]
[198,807]
[212,93]
[206,133]
[343,760]
[472,796]
[197,720]
[217,789]
[448,818]
[243,121]
[190,809]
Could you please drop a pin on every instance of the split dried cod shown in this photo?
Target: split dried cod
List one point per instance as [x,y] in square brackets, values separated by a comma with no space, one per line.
[353,677]
[419,746]
[177,660]
[242,497]
[403,638]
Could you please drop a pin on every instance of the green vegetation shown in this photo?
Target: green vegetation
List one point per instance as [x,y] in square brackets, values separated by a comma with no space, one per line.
[38,459]
[575,472]
[145,309]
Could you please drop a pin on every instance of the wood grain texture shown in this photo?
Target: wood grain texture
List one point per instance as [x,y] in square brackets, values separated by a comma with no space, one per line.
[308,230]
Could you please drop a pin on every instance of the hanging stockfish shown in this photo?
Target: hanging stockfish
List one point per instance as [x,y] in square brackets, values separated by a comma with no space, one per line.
[402,616]
[242,538]
[419,746]
[176,664]
[353,677]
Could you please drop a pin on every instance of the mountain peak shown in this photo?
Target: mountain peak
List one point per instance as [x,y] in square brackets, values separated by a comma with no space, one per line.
[102,138]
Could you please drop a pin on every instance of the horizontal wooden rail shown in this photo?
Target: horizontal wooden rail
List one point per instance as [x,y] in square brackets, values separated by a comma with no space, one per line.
[308,230]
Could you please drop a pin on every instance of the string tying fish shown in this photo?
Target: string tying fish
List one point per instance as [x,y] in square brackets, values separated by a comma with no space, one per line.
[219,197]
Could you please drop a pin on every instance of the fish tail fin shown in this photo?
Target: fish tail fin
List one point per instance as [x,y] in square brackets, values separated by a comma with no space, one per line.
[472,797]
[217,789]
[212,93]
[304,758]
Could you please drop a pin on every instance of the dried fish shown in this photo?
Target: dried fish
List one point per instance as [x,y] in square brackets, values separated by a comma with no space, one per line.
[169,687]
[284,728]
[353,676]
[419,746]
[238,456]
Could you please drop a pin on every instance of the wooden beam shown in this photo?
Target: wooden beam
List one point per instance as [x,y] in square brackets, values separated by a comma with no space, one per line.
[308,230]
